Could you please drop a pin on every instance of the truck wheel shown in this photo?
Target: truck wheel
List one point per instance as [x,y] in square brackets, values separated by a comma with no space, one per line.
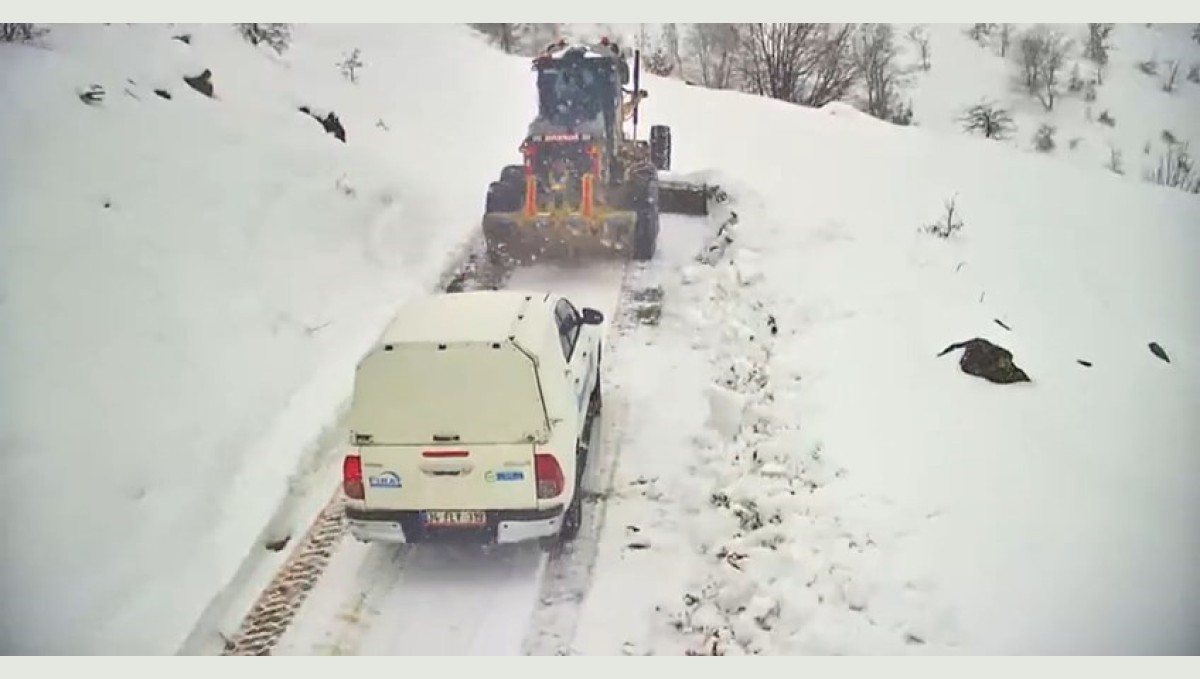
[502,197]
[660,147]
[597,399]
[572,518]
[645,234]
[514,176]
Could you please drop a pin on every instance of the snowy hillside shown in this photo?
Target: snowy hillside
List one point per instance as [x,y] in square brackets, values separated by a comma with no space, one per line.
[1130,116]
[186,284]
[1123,116]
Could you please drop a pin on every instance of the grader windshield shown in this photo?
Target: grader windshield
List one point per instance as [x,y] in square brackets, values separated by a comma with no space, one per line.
[575,89]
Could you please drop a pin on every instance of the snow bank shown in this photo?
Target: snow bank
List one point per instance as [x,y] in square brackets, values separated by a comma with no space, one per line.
[875,499]
[186,283]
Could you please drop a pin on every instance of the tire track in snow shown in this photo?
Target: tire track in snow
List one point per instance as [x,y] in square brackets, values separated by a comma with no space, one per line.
[275,608]
[277,605]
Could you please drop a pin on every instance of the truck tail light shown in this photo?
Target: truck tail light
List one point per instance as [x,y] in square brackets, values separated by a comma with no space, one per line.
[549,475]
[352,479]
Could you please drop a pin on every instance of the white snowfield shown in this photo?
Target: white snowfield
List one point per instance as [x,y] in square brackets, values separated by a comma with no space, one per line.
[787,466]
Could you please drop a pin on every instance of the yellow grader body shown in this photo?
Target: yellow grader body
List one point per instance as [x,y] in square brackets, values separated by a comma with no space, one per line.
[586,188]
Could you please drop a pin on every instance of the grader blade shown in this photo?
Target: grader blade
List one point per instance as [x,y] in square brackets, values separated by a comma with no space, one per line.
[683,198]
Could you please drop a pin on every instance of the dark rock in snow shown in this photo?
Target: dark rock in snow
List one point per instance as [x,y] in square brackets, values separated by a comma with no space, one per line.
[278,545]
[163,93]
[330,122]
[201,83]
[1002,324]
[1159,352]
[1086,364]
[983,359]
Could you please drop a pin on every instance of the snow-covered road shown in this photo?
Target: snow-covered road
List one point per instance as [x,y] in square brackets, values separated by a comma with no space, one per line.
[444,600]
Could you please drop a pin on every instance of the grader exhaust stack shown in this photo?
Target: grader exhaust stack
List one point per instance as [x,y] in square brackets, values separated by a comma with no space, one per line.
[584,187]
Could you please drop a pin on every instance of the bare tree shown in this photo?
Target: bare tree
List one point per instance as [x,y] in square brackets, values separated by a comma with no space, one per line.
[994,122]
[714,47]
[21,32]
[670,43]
[875,52]
[1097,46]
[920,38]
[809,64]
[1006,31]
[1042,55]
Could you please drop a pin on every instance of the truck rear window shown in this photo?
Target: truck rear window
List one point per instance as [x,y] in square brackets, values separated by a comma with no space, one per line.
[423,394]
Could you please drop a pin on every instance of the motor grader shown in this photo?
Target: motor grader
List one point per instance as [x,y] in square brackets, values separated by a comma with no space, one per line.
[587,186]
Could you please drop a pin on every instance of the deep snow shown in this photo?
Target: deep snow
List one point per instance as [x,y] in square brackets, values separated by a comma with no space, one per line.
[904,506]
[1053,517]
[187,283]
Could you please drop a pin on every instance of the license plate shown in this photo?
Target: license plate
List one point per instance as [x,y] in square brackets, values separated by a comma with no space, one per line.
[455,518]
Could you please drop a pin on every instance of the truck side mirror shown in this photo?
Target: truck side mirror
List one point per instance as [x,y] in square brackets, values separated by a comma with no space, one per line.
[590,316]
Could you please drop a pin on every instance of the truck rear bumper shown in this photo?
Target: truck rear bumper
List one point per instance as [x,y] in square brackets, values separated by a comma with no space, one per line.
[502,527]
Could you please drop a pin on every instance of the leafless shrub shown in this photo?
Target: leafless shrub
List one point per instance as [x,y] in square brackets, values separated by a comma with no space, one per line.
[1172,75]
[1107,118]
[980,32]
[1169,137]
[1043,139]
[275,36]
[988,118]
[1176,169]
[949,224]
[658,62]
[350,64]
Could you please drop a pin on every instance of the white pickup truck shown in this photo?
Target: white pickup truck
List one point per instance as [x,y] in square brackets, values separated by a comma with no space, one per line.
[471,418]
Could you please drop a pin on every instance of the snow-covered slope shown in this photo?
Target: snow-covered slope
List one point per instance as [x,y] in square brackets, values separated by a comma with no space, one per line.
[964,72]
[864,495]
[185,284]
[797,472]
